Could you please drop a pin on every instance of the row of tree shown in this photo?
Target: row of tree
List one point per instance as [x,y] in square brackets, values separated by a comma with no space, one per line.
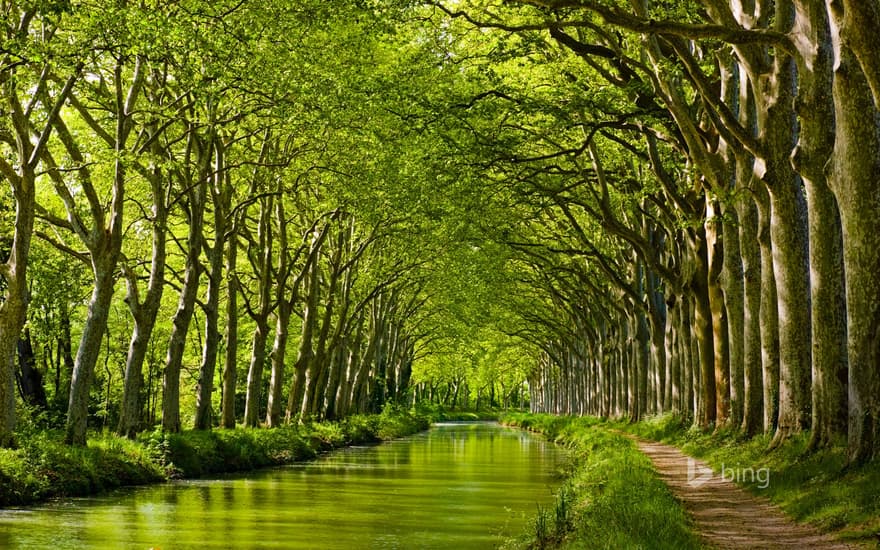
[696,184]
[200,153]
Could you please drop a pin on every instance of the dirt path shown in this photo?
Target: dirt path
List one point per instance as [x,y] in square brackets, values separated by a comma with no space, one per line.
[725,515]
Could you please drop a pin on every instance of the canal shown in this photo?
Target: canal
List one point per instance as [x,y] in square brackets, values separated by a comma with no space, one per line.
[458,485]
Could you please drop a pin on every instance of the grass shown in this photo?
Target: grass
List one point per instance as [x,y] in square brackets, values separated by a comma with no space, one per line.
[611,498]
[43,467]
[813,487]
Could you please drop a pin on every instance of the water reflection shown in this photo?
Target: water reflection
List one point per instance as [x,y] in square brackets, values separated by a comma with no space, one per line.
[455,486]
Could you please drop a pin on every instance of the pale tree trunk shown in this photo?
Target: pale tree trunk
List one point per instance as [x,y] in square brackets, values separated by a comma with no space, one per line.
[858,21]
[277,360]
[753,376]
[186,302]
[774,94]
[144,313]
[720,335]
[20,174]
[815,147]
[104,242]
[769,312]
[177,341]
[854,173]
[732,285]
[13,304]
[13,308]
[686,344]
[221,197]
[313,403]
[305,353]
[261,261]
[790,264]
[673,359]
[750,252]
[343,399]
[285,307]
[230,361]
[706,397]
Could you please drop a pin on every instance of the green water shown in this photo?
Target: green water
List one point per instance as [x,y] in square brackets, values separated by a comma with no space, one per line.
[455,486]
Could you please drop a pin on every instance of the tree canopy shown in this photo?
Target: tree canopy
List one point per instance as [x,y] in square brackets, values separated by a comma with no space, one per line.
[221,212]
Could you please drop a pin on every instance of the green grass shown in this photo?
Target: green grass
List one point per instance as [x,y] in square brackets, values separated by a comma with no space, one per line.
[611,498]
[44,467]
[813,487]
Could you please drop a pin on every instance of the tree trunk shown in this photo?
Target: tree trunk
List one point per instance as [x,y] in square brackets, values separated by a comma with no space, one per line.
[261,261]
[853,178]
[230,363]
[720,335]
[732,286]
[144,315]
[221,197]
[753,378]
[89,349]
[769,312]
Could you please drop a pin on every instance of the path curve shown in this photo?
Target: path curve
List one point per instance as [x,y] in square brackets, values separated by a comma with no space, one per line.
[724,514]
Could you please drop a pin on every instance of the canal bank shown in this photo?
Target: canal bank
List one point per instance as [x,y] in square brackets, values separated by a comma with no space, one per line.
[43,467]
[611,496]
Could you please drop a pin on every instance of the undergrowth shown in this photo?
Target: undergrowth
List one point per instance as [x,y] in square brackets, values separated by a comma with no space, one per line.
[612,497]
[44,467]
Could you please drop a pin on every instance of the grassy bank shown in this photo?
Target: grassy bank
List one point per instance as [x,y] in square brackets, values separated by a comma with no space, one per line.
[611,497]
[42,467]
[813,487]
[439,413]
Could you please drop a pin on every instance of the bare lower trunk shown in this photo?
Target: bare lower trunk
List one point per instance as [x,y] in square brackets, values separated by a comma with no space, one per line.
[753,376]
[705,375]
[87,355]
[176,345]
[205,390]
[13,308]
[720,336]
[277,360]
[854,174]
[230,364]
[144,316]
[788,227]
[255,375]
[732,285]
[769,317]
[130,409]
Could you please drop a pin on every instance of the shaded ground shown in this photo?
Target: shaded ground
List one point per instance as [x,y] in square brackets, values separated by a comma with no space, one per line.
[725,515]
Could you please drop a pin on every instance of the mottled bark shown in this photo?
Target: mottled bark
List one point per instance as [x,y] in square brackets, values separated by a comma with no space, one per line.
[731,281]
[853,176]
[769,312]
[196,193]
[177,342]
[720,335]
[104,242]
[705,374]
[261,262]
[305,353]
[753,376]
[144,313]
[230,360]
[815,146]
[221,198]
